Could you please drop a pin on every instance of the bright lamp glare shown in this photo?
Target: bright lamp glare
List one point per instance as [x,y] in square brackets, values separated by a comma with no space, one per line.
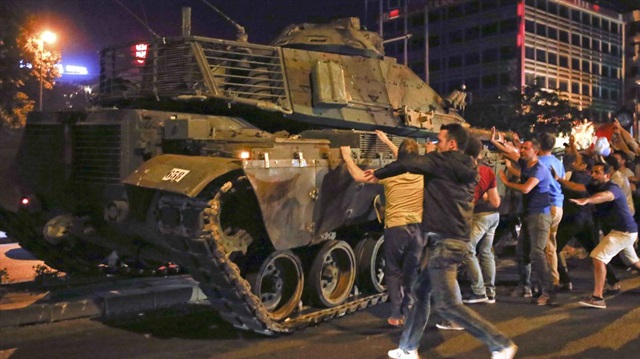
[244,155]
[48,37]
[24,201]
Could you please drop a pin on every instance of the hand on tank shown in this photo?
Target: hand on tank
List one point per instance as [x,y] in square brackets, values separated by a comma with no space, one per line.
[429,146]
[345,151]
[382,136]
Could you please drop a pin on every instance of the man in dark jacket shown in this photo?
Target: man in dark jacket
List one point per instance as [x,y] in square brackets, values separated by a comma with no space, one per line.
[449,183]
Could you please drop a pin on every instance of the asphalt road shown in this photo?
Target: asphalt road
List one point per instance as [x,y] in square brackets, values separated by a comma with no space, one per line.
[194,331]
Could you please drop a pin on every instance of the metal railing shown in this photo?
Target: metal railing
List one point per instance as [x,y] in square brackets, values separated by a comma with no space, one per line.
[194,67]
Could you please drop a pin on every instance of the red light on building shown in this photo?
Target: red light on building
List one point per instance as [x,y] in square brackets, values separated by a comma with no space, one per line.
[394,14]
[140,53]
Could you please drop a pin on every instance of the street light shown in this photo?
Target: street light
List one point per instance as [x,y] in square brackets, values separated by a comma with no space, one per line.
[48,37]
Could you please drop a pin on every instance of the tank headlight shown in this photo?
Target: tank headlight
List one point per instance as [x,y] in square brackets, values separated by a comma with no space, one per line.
[25,201]
[245,155]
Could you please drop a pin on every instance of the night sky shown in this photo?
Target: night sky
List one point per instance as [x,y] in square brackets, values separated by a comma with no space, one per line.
[86,26]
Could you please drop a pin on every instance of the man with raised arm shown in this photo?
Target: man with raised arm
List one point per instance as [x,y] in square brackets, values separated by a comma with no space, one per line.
[403,241]
[450,178]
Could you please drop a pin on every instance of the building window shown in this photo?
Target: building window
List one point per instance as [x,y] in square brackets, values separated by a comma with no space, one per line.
[585,90]
[563,11]
[575,87]
[489,81]
[552,58]
[595,68]
[455,62]
[575,39]
[541,55]
[505,79]
[541,29]
[615,28]
[564,36]
[434,41]
[418,67]
[575,15]
[614,95]
[434,65]
[552,33]
[472,58]
[595,45]
[529,79]
[575,64]
[605,71]
[471,8]
[490,55]
[507,53]
[586,19]
[455,37]
[564,61]
[490,29]
[553,83]
[586,43]
[417,20]
[585,66]
[455,12]
[605,25]
[614,50]
[564,86]
[472,83]
[472,33]
[489,4]
[529,53]
[596,22]
[509,25]
[553,8]
[435,16]
[605,94]
[530,26]
[417,42]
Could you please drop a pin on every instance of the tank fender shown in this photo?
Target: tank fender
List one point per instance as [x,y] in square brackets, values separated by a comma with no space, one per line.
[186,175]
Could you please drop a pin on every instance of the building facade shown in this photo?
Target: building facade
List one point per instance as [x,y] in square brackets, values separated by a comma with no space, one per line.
[490,46]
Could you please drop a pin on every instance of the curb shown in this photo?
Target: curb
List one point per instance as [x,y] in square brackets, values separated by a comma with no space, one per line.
[146,294]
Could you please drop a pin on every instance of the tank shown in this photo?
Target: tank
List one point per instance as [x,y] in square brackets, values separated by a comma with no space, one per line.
[223,157]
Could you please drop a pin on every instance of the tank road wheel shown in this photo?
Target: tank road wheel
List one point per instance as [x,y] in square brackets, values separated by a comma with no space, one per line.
[332,274]
[278,284]
[371,264]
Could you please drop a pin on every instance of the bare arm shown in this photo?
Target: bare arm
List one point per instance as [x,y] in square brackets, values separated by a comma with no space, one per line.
[383,137]
[522,187]
[356,172]
[578,187]
[633,145]
[513,170]
[600,197]
[493,197]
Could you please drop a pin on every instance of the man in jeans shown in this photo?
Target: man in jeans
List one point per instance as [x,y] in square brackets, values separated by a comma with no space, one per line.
[482,269]
[535,179]
[449,184]
[403,242]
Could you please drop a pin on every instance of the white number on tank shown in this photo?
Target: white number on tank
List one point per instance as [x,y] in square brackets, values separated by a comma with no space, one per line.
[175,175]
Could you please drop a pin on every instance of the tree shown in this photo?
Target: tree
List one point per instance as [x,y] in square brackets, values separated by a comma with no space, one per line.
[530,109]
[22,60]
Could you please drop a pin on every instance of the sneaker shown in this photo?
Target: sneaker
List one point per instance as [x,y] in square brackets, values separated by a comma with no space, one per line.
[593,302]
[395,322]
[475,298]
[506,353]
[491,299]
[522,291]
[403,354]
[448,325]
[612,288]
[544,299]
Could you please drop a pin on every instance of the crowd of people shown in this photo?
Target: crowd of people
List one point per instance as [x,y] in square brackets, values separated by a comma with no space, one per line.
[442,215]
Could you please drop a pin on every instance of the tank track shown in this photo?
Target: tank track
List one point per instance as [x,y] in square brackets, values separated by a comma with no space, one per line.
[81,257]
[228,292]
[26,229]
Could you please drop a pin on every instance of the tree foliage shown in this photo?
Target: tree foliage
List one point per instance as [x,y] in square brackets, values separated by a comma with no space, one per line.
[530,109]
[22,60]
